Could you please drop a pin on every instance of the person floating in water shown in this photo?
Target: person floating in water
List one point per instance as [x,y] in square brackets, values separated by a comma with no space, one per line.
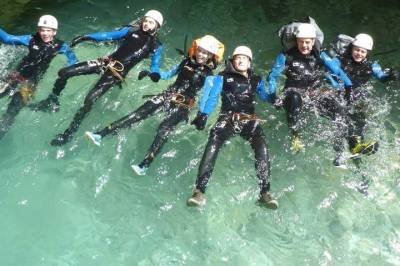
[237,85]
[351,54]
[306,70]
[138,42]
[21,83]
[177,101]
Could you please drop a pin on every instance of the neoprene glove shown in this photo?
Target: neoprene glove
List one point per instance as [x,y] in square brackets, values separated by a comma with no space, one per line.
[80,39]
[200,121]
[154,76]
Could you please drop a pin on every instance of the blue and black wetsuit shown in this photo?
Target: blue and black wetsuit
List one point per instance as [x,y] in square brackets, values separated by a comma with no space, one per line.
[359,73]
[136,45]
[305,76]
[22,82]
[177,101]
[237,116]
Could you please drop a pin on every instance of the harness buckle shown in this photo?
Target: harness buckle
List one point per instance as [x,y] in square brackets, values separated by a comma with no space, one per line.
[115,67]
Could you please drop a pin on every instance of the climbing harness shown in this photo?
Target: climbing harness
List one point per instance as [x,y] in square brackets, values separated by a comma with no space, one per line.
[239,119]
[181,100]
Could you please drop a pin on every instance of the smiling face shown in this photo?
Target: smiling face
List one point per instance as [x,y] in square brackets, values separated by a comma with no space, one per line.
[149,24]
[47,34]
[241,63]
[202,56]
[305,45]
[359,54]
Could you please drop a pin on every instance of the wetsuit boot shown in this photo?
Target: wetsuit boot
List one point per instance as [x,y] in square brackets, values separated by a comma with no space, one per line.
[269,202]
[197,199]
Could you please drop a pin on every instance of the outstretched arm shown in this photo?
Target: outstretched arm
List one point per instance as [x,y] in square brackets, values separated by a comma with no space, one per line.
[65,49]
[110,35]
[333,65]
[102,36]
[155,73]
[383,75]
[156,59]
[211,92]
[16,40]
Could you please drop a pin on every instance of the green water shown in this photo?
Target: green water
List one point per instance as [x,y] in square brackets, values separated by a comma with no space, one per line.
[82,205]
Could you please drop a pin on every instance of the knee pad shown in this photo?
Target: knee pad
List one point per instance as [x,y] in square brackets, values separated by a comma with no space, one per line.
[63,73]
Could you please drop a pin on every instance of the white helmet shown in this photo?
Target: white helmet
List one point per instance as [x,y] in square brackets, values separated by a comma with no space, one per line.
[364,41]
[156,15]
[48,21]
[209,43]
[243,50]
[306,30]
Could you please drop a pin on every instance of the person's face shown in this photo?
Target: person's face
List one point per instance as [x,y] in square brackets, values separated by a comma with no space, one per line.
[241,63]
[47,34]
[358,53]
[148,24]
[305,45]
[202,56]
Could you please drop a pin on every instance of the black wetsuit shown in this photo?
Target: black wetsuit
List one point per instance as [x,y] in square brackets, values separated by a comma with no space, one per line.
[305,76]
[236,117]
[177,101]
[359,73]
[21,83]
[135,46]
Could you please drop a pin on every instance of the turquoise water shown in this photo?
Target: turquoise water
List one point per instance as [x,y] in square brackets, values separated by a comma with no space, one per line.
[82,204]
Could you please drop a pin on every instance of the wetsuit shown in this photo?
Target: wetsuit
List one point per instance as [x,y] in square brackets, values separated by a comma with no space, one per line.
[136,45]
[305,75]
[359,73]
[22,82]
[177,101]
[237,117]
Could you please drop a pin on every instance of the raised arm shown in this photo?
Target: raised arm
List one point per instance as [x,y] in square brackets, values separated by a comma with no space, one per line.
[276,72]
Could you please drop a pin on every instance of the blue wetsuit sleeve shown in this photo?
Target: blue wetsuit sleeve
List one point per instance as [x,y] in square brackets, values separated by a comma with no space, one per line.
[109,36]
[379,73]
[266,96]
[333,82]
[169,74]
[156,59]
[276,72]
[16,40]
[211,92]
[333,65]
[65,49]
